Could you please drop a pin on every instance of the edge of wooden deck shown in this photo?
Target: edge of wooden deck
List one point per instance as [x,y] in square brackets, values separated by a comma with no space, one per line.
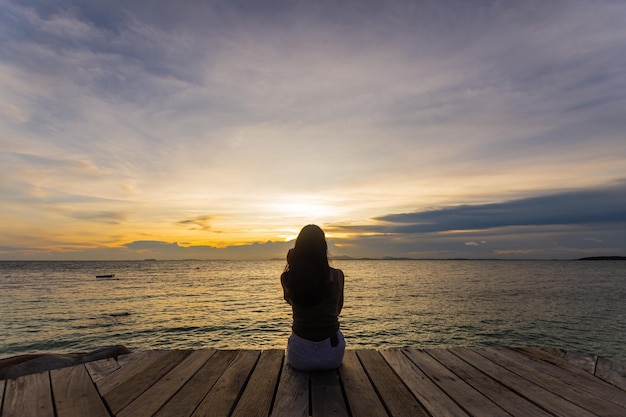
[463,382]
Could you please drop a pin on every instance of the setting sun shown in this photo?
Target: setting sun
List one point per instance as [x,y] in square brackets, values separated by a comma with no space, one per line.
[396,135]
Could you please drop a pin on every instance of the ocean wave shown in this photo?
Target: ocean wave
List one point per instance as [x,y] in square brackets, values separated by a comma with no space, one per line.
[52,307]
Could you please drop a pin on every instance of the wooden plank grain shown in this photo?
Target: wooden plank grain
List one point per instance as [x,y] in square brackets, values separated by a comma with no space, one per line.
[130,365]
[131,359]
[256,399]
[542,356]
[612,371]
[75,395]
[579,379]
[565,388]
[126,392]
[222,398]
[552,350]
[326,396]
[435,400]
[471,400]
[102,368]
[28,396]
[584,361]
[535,352]
[508,400]
[528,389]
[362,398]
[187,399]
[158,394]
[292,396]
[2,384]
[396,397]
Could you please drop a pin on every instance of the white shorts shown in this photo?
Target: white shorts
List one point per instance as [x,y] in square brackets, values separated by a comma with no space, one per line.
[306,355]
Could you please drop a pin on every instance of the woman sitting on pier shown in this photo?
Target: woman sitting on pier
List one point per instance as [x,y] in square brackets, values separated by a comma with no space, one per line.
[315,292]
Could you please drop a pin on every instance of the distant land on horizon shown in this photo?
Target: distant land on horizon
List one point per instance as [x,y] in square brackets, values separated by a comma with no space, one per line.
[603,258]
[342,258]
[393,258]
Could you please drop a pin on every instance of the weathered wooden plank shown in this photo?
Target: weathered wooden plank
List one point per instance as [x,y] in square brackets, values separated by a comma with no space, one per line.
[580,379]
[28,396]
[563,388]
[129,366]
[185,401]
[257,396]
[130,359]
[34,363]
[292,396]
[542,356]
[583,361]
[471,400]
[102,368]
[496,392]
[75,395]
[554,351]
[123,394]
[611,371]
[158,394]
[2,384]
[222,398]
[436,401]
[522,381]
[396,397]
[362,398]
[326,396]
[528,389]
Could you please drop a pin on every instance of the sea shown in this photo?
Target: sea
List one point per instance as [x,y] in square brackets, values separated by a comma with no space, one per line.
[61,307]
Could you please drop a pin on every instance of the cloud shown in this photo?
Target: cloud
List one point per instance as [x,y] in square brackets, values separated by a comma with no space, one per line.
[568,208]
[110,217]
[198,223]
[523,242]
[151,244]
[160,110]
[581,207]
[168,250]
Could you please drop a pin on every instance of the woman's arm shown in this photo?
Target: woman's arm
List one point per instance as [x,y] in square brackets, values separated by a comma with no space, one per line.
[341,278]
[286,296]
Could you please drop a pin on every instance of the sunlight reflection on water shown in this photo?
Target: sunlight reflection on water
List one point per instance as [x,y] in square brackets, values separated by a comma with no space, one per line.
[60,306]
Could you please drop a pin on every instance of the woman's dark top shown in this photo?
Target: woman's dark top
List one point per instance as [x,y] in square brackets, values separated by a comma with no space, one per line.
[320,321]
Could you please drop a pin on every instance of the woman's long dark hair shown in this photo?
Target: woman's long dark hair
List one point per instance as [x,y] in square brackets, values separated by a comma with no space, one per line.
[308,272]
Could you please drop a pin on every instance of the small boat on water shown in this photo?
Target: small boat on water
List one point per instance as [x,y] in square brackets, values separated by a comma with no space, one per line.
[106,276]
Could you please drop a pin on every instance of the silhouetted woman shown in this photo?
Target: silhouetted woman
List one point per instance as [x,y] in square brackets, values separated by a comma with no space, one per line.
[315,292]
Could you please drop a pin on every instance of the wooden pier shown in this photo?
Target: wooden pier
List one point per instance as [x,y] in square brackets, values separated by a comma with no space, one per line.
[481,381]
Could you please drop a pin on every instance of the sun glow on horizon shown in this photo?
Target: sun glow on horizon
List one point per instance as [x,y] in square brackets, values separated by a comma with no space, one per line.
[302,210]
[110,147]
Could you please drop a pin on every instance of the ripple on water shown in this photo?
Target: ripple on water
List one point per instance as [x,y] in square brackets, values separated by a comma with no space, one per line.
[60,306]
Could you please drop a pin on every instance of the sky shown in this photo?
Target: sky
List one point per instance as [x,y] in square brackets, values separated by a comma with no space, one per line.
[218,129]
